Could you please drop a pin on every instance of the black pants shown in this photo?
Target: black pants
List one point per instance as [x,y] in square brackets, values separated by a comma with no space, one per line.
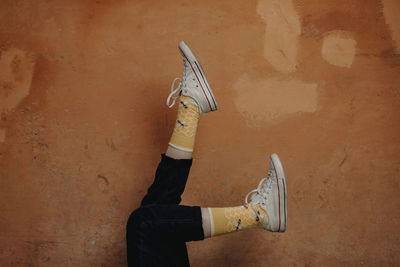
[156,232]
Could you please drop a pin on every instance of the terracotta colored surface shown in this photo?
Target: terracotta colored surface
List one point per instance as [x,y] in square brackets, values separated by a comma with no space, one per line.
[83,86]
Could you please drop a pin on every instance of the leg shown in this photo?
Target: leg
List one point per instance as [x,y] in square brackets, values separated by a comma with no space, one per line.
[264,207]
[156,234]
[196,98]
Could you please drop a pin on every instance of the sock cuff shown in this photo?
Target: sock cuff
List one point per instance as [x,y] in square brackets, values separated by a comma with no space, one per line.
[211,221]
[167,161]
[180,148]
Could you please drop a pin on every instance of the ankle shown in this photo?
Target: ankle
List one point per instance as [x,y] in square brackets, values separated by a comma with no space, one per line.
[206,221]
[176,153]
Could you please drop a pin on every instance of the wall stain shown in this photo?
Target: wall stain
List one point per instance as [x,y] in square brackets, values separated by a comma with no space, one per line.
[339,48]
[16,68]
[281,33]
[272,99]
[391,10]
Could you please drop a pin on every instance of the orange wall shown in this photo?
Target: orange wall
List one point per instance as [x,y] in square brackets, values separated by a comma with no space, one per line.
[83,86]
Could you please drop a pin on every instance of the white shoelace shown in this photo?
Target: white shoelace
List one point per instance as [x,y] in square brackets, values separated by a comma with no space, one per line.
[261,191]
[175,93]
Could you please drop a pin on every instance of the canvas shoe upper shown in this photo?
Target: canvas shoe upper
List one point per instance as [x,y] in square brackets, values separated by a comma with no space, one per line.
[272,196]
[193,83]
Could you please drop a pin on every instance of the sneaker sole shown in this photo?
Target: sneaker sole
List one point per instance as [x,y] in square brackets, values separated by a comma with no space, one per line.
[201,77]
[282,193]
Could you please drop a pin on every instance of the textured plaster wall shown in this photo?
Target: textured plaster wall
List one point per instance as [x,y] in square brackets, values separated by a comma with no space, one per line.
[83,121]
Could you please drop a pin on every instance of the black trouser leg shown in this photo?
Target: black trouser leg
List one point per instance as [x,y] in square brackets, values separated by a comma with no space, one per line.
[156,234]
[169,182]
[158,230]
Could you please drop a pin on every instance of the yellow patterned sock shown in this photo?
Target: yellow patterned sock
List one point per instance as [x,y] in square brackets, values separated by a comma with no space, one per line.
[186,124]
[226,220]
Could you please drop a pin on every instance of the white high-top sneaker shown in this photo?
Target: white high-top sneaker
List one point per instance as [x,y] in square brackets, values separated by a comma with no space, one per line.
[272,196]
[193,83]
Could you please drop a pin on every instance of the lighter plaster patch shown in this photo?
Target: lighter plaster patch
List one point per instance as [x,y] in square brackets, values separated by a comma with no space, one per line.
[2,135]
[281,34]
[339,48]
[270,100]
[391,10]
[16,69]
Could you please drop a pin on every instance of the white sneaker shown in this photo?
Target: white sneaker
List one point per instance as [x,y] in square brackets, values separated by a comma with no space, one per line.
[193,83]
[272,196]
